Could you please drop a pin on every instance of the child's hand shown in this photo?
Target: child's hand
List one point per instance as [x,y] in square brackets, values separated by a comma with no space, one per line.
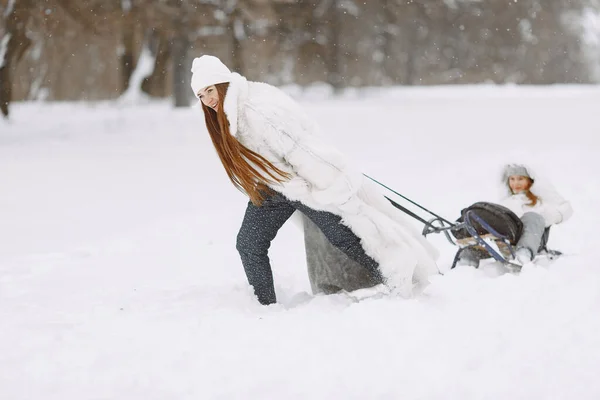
[551,215]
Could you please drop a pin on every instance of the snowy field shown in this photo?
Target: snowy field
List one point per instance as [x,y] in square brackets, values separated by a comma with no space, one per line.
[119,277]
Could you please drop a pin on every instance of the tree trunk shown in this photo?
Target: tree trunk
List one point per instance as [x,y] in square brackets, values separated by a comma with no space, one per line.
[236,28]
[155,84]
[181,76]
[334,69]
[16,43]
[5,83]
[127,57]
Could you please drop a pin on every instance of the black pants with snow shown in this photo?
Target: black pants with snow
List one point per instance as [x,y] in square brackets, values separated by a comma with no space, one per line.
[260,226]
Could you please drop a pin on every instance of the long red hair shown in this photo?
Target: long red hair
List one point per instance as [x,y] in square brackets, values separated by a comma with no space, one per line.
[248,171]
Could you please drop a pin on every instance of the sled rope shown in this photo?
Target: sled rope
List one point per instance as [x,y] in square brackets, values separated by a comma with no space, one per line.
[412,202]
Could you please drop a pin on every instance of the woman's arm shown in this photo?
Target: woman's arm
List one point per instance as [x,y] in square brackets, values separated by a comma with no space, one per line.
[331,177]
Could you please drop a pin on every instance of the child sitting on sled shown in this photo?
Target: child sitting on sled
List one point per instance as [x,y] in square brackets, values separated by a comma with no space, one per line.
[537,204]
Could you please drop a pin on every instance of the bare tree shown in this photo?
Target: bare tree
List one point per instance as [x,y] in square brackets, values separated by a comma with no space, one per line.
[329,12]
[13,45]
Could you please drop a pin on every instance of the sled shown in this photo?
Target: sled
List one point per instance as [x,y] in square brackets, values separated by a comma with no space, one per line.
[474,231]
[486,227]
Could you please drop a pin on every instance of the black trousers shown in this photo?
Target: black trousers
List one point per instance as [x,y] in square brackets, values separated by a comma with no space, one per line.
[260,226]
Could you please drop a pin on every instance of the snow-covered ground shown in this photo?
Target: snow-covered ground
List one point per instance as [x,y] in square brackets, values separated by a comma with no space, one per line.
[119,277]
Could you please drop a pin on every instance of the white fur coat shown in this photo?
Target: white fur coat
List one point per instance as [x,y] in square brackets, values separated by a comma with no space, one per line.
[551,205]
[267,121]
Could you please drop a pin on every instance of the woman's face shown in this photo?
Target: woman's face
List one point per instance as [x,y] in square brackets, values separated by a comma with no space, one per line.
[209,97]
[519,183]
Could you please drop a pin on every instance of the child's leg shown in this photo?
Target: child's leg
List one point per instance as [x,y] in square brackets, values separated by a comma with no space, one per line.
[533,231]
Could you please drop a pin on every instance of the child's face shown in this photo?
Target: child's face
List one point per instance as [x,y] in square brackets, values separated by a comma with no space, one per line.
[518,183]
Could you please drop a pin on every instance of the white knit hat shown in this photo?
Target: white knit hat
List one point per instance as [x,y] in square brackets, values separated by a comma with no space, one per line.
[208,70]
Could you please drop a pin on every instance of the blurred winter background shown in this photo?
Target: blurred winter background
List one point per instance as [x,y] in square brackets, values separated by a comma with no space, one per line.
[119,277]
[100,49]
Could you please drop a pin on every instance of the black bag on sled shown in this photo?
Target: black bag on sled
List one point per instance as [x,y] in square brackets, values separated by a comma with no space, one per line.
[500,218]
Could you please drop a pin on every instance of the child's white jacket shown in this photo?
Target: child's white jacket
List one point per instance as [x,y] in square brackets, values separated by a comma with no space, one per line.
[551,205]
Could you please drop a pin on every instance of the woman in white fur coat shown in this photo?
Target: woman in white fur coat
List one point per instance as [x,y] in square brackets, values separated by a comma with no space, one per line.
[272,152]
[536,202]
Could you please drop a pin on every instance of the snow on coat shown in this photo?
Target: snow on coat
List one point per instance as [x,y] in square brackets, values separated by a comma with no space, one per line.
[550,205]
[269,122]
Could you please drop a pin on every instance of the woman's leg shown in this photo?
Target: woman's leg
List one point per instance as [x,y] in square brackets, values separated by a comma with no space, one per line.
[531,238]
[341,237]
[259,228]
